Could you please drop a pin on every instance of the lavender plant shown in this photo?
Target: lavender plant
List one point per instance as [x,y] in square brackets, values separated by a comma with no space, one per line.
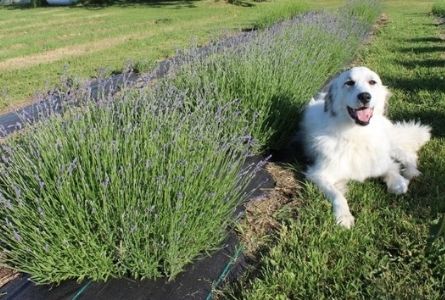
[137,186]
[276,71]
[364,11]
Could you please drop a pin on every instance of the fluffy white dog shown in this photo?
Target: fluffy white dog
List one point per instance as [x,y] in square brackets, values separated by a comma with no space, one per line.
[347,135]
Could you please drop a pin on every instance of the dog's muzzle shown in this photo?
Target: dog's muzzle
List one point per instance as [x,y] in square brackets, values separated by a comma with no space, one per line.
[361,115]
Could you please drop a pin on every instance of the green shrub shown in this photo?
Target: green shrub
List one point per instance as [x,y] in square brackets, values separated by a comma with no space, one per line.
[281,13]
[439,8]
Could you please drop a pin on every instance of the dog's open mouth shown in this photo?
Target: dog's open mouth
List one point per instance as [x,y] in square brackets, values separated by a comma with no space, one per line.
[361,115]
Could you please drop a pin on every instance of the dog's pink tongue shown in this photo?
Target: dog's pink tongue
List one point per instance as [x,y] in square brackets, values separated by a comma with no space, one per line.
[364,115]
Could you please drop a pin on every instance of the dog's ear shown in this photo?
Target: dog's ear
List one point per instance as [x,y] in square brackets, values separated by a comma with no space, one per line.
[329,100]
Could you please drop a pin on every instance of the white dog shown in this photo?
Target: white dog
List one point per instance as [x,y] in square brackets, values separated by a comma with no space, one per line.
[347,135]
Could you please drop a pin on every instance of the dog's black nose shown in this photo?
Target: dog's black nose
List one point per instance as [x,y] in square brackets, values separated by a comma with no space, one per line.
[364,98]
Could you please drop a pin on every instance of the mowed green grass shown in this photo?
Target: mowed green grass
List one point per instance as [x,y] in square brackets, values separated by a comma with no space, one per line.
[390,253]
[37,46]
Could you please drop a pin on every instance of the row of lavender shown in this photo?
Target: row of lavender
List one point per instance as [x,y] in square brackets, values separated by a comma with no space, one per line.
[141,184]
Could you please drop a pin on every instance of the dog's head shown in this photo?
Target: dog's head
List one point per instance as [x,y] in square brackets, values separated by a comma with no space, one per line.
[356,95]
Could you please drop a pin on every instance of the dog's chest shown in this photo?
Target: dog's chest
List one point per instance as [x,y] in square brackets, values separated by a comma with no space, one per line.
[358,155]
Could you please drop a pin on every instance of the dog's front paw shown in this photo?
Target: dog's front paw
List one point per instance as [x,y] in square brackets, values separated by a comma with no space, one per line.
[345,220]
[410,172]
[399,186]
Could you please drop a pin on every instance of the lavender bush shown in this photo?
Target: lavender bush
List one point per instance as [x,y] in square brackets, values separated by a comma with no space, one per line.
[138,186]
[142,183]
[277,70]
[364,11]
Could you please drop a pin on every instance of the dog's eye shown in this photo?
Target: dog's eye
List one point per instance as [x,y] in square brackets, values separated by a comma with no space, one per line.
[350,82]
[372,82]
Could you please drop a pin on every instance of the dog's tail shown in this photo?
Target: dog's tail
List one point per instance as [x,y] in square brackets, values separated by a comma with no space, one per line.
[407,139]
[411,135]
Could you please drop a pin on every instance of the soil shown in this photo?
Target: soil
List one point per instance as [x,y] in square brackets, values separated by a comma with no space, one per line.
[261,217]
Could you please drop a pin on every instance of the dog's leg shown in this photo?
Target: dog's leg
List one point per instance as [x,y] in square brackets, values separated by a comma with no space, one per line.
[397,184]
[339,204]
[409,161]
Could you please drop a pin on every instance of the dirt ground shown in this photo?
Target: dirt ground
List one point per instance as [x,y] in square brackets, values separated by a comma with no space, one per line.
[262,217]
[6,275]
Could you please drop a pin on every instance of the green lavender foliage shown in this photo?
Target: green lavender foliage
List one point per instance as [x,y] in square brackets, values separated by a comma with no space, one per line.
[137,186]
[276,71]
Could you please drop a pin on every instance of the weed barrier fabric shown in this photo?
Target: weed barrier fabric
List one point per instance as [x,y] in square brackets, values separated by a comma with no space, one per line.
[196,282]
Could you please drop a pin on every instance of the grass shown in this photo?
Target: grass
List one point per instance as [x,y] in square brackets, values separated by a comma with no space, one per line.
[39,45]
[142,185]
[390,253]
[439,8]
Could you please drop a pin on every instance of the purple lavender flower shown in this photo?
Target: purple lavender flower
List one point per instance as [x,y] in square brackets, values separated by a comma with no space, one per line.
[17,236]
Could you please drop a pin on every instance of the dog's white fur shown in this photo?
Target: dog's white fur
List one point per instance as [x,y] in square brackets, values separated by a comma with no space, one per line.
[343,150]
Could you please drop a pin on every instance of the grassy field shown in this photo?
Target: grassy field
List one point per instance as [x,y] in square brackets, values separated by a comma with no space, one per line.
[39,45]
[390,253]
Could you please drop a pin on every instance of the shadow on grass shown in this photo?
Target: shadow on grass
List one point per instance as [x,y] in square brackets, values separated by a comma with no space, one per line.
[426,63]
[240,3]
[417,84]
[421,50]
[282,121]
[426,39]
[151,3]
[425,195]
[434,118]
